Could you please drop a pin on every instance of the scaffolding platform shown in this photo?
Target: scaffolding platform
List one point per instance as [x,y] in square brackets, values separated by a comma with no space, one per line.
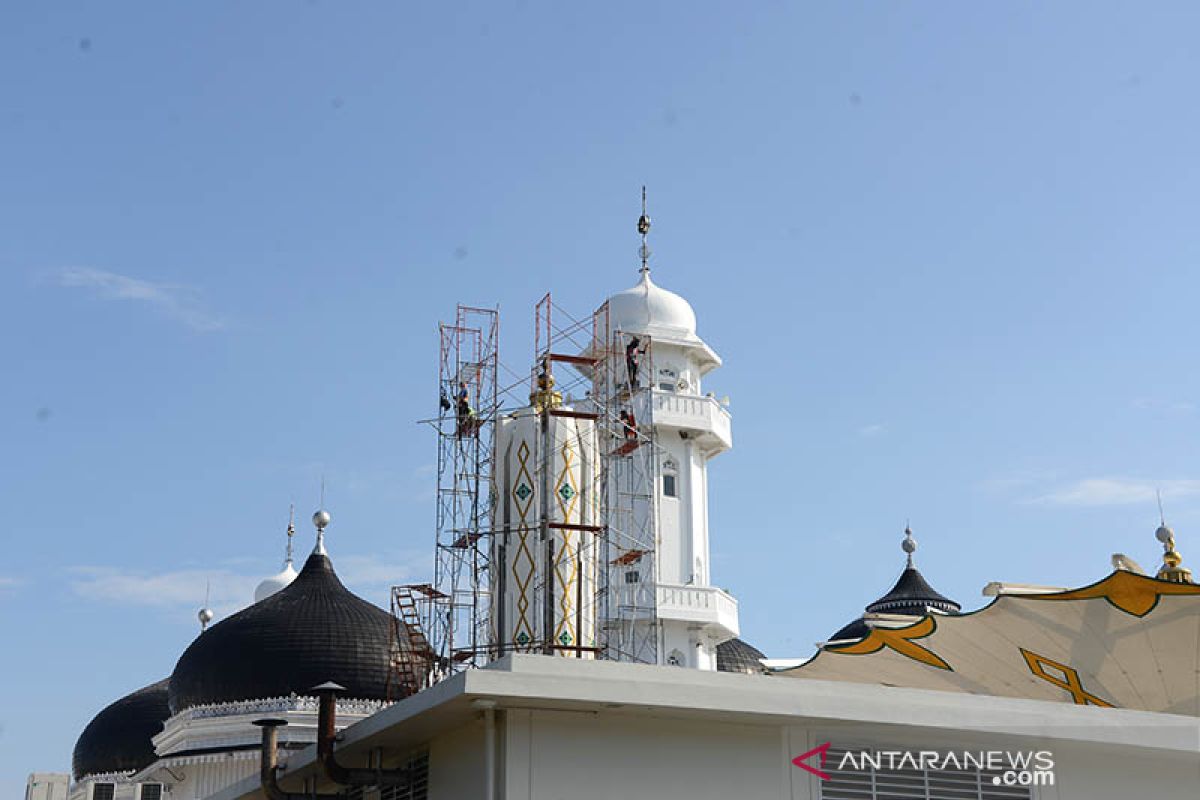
[629,557]
[627,448]
[466,540]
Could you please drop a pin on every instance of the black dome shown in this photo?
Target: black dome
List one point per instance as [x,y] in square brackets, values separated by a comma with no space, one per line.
[118,738]
[855,630]
[312,631]
[737,656]
[912,595]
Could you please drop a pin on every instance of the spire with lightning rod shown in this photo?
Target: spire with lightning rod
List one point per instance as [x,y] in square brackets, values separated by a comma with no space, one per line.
[321,520]
[205,614]
[643,227]
[1172,568]
[291,532]
[909,545]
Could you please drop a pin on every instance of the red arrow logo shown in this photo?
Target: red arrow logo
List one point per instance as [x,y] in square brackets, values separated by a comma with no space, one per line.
[823,751]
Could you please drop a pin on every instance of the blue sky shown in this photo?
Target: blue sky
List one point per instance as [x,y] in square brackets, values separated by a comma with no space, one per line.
[946,250]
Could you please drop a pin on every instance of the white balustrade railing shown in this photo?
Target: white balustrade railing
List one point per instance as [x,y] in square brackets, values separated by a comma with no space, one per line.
[702,414]
[703,604]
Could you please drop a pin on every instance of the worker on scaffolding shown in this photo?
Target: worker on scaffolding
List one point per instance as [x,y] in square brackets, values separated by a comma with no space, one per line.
[630,425]
[463,411]
[633,356]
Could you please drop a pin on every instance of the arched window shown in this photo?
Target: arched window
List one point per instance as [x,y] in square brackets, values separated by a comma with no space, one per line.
[675,659]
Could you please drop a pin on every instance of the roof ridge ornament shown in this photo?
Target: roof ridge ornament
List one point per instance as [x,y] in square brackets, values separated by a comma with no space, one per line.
[643,227]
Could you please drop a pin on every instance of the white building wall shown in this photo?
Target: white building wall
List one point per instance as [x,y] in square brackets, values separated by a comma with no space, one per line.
[457,764]
[614,756]
[582,756]
[47,786]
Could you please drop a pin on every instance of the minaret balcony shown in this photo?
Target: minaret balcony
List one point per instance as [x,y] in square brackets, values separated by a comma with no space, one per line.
[704,606]
[701,416]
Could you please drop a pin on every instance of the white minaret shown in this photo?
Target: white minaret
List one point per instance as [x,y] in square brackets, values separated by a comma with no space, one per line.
[691,428]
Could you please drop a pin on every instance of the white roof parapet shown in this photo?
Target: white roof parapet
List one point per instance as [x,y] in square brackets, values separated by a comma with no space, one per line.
[1003,589]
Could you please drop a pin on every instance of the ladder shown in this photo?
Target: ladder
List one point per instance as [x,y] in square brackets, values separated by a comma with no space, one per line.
[411,653]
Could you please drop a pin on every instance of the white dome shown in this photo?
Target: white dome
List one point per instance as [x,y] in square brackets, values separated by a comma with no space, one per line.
[273,584]
[648,308]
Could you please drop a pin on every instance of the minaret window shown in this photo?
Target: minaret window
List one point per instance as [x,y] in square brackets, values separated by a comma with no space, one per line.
[667,379]
[151,791]
[670,482]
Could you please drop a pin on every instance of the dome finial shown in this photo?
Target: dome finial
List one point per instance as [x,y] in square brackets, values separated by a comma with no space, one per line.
[643,227]
[321,521]
[205,614]
[1172,568]
[909,545]
[291,532]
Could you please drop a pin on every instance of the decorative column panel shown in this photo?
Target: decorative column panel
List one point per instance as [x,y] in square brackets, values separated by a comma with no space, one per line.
[573,516]
[516,623]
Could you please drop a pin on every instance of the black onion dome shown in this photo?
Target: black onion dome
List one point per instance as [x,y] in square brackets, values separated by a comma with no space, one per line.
[118,738]
[737,656]
[312,631]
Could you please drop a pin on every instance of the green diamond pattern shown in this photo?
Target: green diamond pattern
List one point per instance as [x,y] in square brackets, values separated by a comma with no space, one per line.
[522,638]
[523,492]
[564,638]
[566,492]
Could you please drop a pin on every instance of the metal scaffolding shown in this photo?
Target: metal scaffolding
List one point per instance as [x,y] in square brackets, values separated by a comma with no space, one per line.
[451,624]
[590,363]
[628,606]
[452,612]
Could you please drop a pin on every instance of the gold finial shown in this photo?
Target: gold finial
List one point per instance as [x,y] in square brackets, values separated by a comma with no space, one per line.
[1172,568]
[543,396]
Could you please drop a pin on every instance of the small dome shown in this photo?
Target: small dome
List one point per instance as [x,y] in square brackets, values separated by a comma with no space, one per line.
[312,631]
[738,656]
[273,584]
[648,308]
[118,739]
[912,595]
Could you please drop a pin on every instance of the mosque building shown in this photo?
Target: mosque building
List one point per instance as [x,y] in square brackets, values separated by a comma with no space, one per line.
[608,660]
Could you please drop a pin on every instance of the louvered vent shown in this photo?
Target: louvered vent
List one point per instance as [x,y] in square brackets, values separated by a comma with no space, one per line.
[418,789]
[909,784]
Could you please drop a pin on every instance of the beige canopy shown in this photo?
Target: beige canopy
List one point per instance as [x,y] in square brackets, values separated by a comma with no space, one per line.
[1128,641]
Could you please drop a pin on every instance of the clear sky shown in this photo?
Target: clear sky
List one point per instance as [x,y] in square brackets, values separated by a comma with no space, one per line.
[947,250]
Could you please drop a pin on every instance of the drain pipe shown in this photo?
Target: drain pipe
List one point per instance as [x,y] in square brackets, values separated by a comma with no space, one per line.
[327,734]
[269,764]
